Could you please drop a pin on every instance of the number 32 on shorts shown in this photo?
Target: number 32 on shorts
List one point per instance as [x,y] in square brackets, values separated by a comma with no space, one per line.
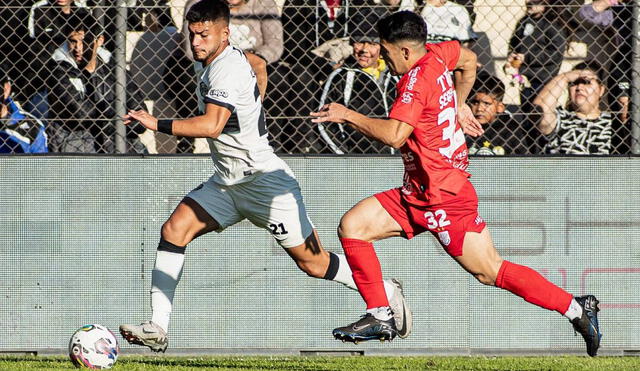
[436,219]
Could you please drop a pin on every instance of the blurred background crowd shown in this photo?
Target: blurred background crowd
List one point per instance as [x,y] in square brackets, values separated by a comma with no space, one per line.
[554,77]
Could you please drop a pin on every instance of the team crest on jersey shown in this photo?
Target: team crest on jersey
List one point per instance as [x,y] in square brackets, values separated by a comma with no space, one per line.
[479,220]
[407,97]
[218,93]
[203,89]
[444,238]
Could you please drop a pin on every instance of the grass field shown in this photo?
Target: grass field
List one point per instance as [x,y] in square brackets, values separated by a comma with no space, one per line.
[136,363]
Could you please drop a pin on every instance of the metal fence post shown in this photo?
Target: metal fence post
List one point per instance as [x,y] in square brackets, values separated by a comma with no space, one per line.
[121,75]
[635,78]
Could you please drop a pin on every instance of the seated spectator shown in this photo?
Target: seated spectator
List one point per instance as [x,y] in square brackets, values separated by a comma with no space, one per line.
[20,132]
[82,92]
[583,127]
[505,133]
[47,21]
[365,84]
[446,21]
[536,49]
[256,27]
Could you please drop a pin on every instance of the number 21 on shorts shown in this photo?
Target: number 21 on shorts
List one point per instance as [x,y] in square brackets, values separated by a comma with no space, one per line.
[436,219]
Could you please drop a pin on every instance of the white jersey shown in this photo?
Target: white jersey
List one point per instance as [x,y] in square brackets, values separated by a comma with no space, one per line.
[242,150]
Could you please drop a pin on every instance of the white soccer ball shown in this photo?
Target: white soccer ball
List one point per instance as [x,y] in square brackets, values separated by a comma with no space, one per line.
[93,346]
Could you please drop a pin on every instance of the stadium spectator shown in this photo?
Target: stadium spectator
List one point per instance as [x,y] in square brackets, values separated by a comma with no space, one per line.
[20,132]
[13,44]
[156,68]
[447,20]
[536,50]
[256,27]
[583,127]
[82,85]
[46,23]
[363,83]
[505,133]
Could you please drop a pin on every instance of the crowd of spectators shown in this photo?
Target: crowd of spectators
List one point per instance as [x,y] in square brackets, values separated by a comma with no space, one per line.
[59,73]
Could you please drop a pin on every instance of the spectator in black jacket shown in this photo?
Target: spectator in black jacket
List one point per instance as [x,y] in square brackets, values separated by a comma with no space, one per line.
[536,49]
[46,24]
[505,133]
[81,87]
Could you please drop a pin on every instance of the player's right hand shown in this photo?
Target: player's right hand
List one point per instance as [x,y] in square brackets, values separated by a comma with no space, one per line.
[143,117]
[468,122]
[332,112]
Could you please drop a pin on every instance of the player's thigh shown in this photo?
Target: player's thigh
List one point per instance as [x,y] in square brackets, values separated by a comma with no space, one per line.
[480,257]
[273,201]
[209,207]
[369,221]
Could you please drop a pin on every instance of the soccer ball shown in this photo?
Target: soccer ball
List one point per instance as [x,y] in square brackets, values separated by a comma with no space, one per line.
[93,346]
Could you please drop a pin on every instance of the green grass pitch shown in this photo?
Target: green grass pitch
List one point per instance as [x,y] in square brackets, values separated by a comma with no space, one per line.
[138,363]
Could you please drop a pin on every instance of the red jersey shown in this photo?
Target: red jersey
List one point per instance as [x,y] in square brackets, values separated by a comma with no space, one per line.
[435,154]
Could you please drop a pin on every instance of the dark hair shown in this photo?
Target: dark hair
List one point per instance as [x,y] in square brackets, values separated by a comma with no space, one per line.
[592,66]
[208,10]
[404,25]
[82,20]
[488,84]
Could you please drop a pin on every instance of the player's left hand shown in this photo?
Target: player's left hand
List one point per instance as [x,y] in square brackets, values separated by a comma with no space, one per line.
[332,112]
[468,122]
[143,117]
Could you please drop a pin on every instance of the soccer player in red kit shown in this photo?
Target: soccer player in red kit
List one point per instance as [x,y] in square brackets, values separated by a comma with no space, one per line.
[426,123]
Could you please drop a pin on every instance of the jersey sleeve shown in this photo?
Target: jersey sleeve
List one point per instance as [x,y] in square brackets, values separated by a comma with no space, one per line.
[449,51]
[410,100]
[223,89]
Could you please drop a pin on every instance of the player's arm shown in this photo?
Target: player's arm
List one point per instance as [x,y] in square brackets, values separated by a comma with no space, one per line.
[259,66]
[209,125]
[465,73]
[391,132]
[548,98]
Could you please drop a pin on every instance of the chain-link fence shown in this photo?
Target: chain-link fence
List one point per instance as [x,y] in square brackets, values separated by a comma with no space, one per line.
[554,77]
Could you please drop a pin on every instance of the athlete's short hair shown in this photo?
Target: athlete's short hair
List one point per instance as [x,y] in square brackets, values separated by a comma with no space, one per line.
[404,25]
[208,10]
[488,84]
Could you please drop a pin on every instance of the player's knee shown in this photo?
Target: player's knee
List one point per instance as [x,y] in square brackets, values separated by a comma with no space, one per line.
[173,232]
[350,227]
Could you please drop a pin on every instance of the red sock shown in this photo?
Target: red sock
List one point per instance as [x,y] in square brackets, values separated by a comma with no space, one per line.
[366,271]
[532,287]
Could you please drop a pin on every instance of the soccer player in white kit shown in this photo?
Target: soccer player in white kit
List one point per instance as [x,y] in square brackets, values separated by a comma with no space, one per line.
[249,181]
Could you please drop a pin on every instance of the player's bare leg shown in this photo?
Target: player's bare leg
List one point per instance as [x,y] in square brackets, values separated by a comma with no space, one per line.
[481,259]
[316,262]
[188,221]
[366,222]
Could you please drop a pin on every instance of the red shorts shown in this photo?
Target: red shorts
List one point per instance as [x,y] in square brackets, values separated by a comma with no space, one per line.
[447,221]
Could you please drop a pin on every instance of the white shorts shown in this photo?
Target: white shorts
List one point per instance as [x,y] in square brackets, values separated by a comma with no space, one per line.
[271,201]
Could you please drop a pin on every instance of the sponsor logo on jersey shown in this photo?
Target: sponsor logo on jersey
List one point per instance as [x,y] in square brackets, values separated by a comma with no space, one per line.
[444,238]
[407,97]
[479,220]
[413,78]
[218,93]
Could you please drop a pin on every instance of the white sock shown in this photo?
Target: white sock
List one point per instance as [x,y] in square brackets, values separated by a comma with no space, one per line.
[164,279]
[345,277]
[381,313]
[574,310]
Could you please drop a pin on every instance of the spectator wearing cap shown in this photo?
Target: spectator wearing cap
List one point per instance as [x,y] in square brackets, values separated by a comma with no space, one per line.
[536,49]
[505,133]
[363,83]
[582,127]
